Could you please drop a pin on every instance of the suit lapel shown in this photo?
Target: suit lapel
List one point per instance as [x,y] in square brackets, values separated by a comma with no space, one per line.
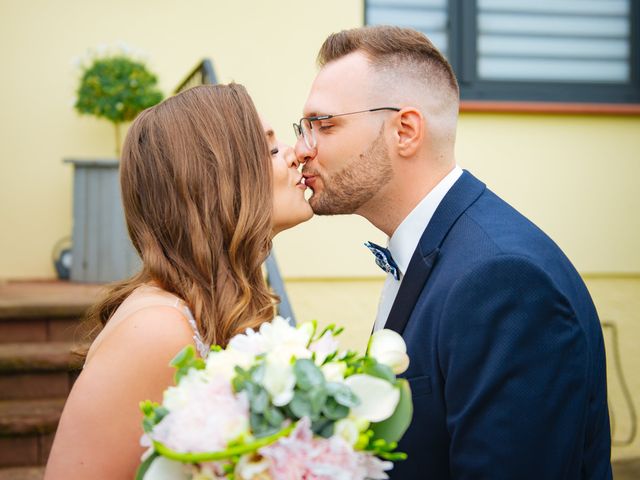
[461,195]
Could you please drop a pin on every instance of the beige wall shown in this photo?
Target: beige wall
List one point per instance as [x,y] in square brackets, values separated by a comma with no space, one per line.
[576,177]
[268,46]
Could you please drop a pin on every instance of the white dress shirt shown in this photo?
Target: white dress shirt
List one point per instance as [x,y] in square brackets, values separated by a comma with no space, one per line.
[405,239]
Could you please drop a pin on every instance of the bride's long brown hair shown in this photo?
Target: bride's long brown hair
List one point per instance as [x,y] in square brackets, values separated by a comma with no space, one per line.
[196,182]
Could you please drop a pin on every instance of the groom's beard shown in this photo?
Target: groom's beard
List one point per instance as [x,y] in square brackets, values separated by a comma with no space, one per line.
[358,182]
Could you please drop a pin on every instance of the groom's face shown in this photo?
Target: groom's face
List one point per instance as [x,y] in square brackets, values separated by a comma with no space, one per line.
[350,163]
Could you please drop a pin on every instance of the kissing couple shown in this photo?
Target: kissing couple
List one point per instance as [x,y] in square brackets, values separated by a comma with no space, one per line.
[507,362]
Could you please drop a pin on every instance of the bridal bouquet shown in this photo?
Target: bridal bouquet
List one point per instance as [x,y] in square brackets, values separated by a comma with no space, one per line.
[281,403]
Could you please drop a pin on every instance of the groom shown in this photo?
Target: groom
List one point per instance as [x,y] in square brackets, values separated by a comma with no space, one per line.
[507,358]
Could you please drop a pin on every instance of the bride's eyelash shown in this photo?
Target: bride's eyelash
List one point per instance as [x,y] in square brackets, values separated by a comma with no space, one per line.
[274,151]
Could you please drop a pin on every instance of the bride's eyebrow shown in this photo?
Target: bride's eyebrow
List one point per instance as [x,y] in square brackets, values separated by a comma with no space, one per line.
[269,133]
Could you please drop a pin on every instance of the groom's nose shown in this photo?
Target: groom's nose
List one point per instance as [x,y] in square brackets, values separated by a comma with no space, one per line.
[304,154]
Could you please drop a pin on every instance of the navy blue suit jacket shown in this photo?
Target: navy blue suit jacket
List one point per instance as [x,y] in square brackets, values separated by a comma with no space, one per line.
[507,358]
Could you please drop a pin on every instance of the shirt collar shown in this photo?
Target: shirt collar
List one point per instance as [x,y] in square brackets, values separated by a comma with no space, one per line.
[405,239]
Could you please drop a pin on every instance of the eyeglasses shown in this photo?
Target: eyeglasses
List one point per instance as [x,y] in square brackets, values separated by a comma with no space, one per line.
[305,130]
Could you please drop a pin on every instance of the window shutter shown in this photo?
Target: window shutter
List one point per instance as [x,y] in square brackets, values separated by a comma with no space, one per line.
[577,41]
[428,16]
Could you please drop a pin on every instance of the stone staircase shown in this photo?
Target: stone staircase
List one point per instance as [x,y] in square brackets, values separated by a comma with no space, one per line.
[39,327]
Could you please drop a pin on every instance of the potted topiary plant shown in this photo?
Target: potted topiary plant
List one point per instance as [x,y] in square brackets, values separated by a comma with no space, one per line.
[115,86]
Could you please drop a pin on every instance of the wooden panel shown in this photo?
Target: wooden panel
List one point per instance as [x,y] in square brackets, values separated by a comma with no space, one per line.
[79,223]
[92,220]
[102,251]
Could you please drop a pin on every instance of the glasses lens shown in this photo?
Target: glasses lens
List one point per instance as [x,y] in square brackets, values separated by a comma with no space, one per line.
[307,132]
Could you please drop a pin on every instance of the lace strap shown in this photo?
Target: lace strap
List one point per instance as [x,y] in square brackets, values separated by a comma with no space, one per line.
[202,348]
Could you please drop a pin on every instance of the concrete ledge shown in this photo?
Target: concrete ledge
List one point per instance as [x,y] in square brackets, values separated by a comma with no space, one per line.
[46,299]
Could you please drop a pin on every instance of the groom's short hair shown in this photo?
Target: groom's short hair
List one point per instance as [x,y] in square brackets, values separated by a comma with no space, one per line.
[394,49]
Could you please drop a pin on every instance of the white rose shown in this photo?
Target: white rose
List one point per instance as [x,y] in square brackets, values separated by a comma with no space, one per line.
[177,397]
[279,378]
[348,430]
[248,342]
[279,335]
[334,371]
[378,398]
[224,362]
[388,348]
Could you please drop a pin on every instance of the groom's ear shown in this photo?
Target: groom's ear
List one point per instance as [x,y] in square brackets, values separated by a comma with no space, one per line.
[410,132]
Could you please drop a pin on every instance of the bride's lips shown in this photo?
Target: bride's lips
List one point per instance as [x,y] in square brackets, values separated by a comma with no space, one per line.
[301,184]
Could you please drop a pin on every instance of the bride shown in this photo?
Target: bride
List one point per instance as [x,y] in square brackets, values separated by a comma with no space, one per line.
[202,201]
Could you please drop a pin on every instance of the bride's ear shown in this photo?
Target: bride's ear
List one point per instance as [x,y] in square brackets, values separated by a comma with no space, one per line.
[410,131]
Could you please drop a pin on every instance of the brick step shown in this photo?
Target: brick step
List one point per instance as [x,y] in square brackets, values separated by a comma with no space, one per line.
[22,473]
[45,311]
[27,429]
[42,325]
[37,370]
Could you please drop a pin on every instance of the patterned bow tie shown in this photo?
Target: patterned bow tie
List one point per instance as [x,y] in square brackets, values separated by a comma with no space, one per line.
[384,259]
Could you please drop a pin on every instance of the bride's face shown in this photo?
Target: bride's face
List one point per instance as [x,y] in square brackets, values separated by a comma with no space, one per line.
[289,205]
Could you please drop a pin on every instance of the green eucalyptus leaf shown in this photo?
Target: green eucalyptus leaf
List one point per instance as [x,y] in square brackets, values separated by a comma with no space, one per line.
[321,425]
[259,399]
[153,414]
[160,413]
[257,373]
[327,430]
[317,398]
[238,383]
[148,424]
[333,410]
[392,429]
[259,425]
[308,375]
[344,396]
[379,370]
[273,416]
[300,405]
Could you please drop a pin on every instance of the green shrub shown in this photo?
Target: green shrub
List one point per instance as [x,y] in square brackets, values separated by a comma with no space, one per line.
[116,87]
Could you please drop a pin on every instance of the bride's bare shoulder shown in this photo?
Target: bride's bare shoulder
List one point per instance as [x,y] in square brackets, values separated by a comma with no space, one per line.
[151,331]
[100,427]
